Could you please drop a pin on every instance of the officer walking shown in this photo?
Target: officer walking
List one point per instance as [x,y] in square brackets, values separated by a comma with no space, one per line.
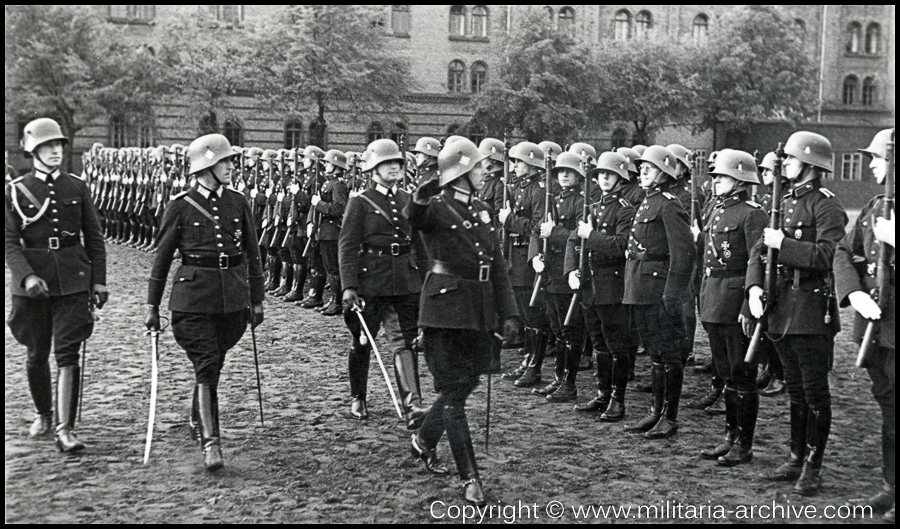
[219,286]
[54,278]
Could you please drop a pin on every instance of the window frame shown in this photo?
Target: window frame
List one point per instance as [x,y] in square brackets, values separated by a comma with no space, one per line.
[460,85]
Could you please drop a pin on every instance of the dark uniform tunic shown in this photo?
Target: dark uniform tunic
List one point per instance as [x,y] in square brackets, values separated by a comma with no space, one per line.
[429,172]
[658,265]
[492,192]
[330,211]
[51,248]
[219,279]
[527,214]
[734,227]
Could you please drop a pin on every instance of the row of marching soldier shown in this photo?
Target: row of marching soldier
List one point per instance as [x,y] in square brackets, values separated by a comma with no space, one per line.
[451,247]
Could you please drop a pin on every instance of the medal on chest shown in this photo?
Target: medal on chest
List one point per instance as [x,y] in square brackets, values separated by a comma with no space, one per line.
[726,250]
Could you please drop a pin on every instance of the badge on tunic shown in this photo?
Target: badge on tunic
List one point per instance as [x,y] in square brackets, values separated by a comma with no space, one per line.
[798,234]
[872,269]
[485,217]
[726,250]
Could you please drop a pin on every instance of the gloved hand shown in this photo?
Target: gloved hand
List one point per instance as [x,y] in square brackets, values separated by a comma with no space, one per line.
[100,295]
[773,238]
[746,325]
[547,229]
[510,329]
[584,229]
[884,230]
[865,305]
[295,188]
[574,279]
[256,315]
[503,214]
[315,200]
[755,301]
[426,190]
[350,300]
[538,263]
[695,229]
[151,318]
[36,288]
[309,228]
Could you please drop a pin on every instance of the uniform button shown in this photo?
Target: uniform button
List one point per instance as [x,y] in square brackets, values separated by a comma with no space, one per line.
[787,220]
[717,218]
[215,208]
[790,211]
[654,274]
[395,235]
[395,218]
[443,291]
[57,230]
[55,211]
[480,253]
[394,210]
[476,244]
[216,217]
[52,192]
[453,227]
[218,227]
[218,236]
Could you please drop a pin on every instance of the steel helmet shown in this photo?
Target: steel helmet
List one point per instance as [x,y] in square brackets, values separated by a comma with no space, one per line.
[712,157]
[177,148]
[237,150]
[661,158]
[207,151]
[336,158]
[282,154]
[551,148]
[585,150]
[380,151]
[41,131]
[768,161]
[639,149]
[427,145]
[614,163]
[452,139]
[458,158]
[570,160]
[352,158]
[96,147]
[493,148]
[314,153]
[878,147]
[254,152]
[410,161]
[269,154]
[682,154]
[529,153]
[631,155]
[810,148]
[739,165]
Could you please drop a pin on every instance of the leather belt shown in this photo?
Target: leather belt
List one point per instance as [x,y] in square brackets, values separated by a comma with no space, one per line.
[222,262]
[51,243]
[482,273]
[725,272]
[648,257]
[394,249]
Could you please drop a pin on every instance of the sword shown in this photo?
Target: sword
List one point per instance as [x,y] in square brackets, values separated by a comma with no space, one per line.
[258,383]
[371,339]
[154,386]
[83,369]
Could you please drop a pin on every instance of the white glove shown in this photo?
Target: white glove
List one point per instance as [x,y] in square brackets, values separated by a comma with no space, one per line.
[503,214]
[538,263]
[280,196]
[773,238]
[695,229]
[295,187]
[574,280]
[254,193]
[309,228]
[315,200]
[268,192]
[865,305]
[755,302]
[584,229]
[547,229]
[884,230]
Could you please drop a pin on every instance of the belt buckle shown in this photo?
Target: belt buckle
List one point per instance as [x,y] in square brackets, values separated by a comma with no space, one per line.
[53,243]
[223,262]
[395,249]
[484,272]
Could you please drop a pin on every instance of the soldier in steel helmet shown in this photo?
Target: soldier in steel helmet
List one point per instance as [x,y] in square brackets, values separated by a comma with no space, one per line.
[803,321]
[329,205]
[466,299]
[218,288]
[426,153]
[54,277]
[492,192]
[856,271]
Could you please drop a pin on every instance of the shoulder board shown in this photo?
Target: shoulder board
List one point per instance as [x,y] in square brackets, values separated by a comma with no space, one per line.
[405,192]
[181,195]
[827,192]
[235,191]
[753,204]
[625,203]
[668,195]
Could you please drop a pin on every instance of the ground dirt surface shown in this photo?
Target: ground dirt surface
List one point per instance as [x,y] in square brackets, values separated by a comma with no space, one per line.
[312,463]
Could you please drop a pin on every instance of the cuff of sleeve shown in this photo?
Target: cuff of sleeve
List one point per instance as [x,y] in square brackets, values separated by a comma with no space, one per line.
[155,291]
[257,294]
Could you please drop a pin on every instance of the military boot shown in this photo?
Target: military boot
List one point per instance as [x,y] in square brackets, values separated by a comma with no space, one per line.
[209,428]
[528,346]
[712,395]
[67,409]
[604,384]
[287,280]
[358,370]
[790,470]
[334,307]
[731,427]
[410,393]
[463,453]
[428,456]
[748,410]
[568,392]
[668,421]
[658,378]
[314,299]
[817,429]
[296,293]
[41,386]
[532,374]
[774,387]
[194,422]
[559,372]
[273,273]
[615,412]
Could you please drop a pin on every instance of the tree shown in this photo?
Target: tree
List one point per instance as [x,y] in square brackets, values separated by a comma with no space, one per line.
[67,63]
[329,57]
[756,69]
[649,84]
[540,90]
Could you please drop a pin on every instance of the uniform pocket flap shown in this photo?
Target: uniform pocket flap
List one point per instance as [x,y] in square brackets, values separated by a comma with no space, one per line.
[70,201]
[439,284]
[185,274]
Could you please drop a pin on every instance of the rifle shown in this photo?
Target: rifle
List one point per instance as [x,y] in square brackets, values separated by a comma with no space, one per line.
[403,154]
[583,262]
[292,216]
[548,168]
[316,216]
[754,195]
[695,199]
[771,280]
[505,234]
[882,291]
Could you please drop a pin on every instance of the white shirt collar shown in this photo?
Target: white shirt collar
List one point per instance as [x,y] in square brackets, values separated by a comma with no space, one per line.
[205,191]
[43,176]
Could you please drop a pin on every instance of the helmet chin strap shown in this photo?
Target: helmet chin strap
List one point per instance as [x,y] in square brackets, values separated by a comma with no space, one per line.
[44,164]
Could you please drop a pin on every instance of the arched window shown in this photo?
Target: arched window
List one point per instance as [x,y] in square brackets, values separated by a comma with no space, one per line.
[479,21]
[869,91]
[458,20]
[374,132]
[567,22]
[455,74]
[117,136]
[209,124]
[293,134]
[400,20]
[234,132]
[145,135]
[479,77]
[623,25]
[133,132]
[850,85]
[873,36]
[619,137]
[854,36]
[700,29]
[644,23]
[400,129]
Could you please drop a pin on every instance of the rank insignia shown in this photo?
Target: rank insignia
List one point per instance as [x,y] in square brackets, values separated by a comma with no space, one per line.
[872,269]
[726,250]
[798,234]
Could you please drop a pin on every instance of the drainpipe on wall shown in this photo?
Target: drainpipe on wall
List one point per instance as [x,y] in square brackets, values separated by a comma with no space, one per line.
[822,63]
